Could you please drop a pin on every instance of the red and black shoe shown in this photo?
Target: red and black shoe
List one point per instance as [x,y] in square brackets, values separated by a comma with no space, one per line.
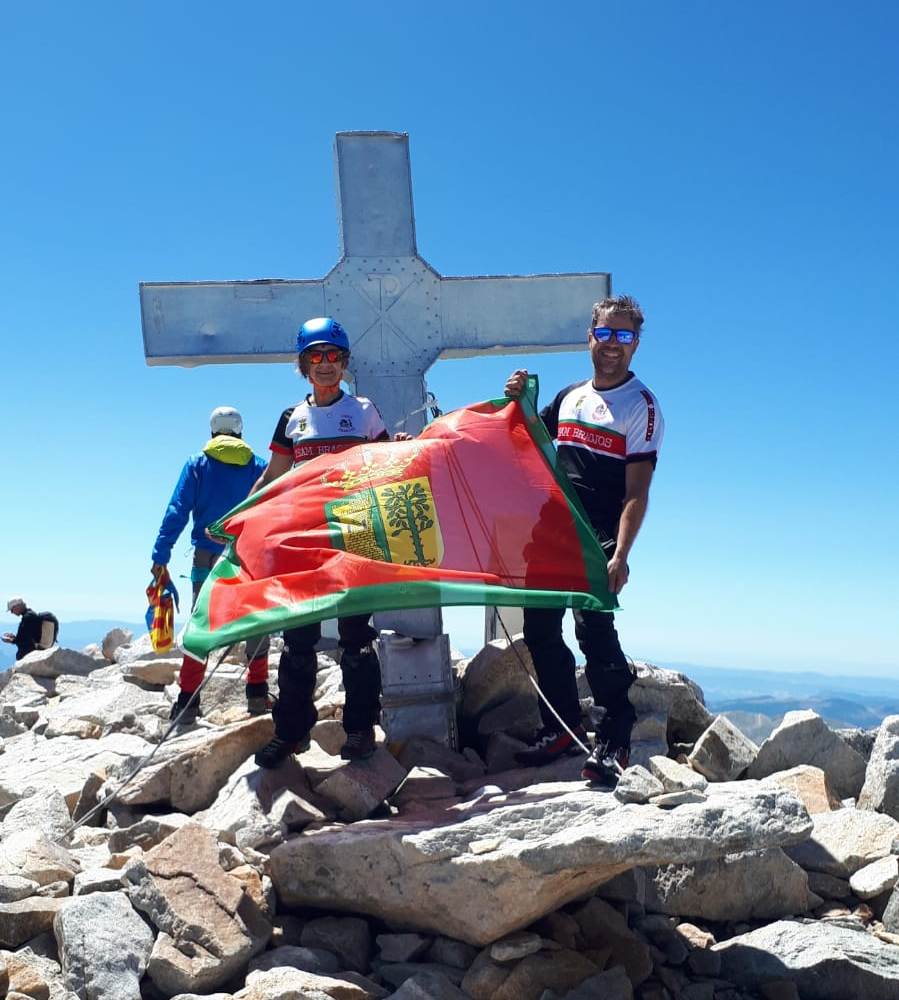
[605,765]
[550,744]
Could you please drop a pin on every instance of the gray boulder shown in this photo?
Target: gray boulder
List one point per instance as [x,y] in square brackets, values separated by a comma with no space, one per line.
[805,738]
[32,764]
[104,946]
[422,752]
[154,673]
[429,986]
[56,661]
[423,785]
[293,984]
[145,833]
[209,926]
[891,913]
[603,927]
[308,959]
[881,789]
[547,846]
[859,739]
[401,947]
[190,770]
[722,753]
[16,887]
[139,649]
[46,812]
[610,985]
[677,777]
[29,854]
[556,971]
[347,937]
[659,690]
[357,789]
[637,785]
[26,918]
[244,811]
[754,885]
[108,708]
[98,880]
[448,951]
[811,785]
[496,674]
[825,961]
[844,841]
[24,691]
[114,639]
[519,717]
[876,878]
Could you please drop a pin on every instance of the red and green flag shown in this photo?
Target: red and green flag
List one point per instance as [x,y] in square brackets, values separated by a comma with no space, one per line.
[472,511]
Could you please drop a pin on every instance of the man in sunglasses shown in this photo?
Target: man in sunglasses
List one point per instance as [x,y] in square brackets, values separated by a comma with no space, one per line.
[327,421]
[608,431]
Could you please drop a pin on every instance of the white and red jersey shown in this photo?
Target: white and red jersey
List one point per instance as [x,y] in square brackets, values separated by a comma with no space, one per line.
[305,431]
[598,431]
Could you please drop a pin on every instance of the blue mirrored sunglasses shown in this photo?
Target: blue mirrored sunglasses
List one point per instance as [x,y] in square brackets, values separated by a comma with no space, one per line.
[605,333]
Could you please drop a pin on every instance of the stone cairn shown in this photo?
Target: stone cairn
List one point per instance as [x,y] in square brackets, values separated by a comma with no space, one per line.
[135,867]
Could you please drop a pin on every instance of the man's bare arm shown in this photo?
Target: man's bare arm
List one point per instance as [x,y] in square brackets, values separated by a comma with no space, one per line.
[637,477]
[277,466]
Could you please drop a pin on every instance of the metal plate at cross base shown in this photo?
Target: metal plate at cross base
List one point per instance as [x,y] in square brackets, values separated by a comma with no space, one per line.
[401,314]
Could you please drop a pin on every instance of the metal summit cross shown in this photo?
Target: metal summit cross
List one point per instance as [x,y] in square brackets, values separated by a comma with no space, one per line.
[400,313]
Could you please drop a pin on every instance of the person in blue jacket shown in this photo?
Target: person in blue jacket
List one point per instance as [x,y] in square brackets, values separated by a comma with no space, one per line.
[211,483]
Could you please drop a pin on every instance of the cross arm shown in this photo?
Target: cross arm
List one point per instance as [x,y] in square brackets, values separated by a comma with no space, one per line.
[518,314]
[221,322]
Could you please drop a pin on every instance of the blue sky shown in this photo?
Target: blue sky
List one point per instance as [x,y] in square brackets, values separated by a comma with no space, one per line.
[733,167]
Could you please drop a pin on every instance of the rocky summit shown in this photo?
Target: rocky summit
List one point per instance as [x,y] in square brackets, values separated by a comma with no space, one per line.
[142,864]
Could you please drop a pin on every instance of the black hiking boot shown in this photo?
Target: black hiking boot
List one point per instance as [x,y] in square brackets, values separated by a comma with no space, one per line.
[359,745]
[613,744]
[185,712]
[276,751]
[605,765]
[551,744]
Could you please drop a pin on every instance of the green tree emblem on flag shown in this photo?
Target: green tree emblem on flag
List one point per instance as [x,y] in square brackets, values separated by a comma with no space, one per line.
[408,510]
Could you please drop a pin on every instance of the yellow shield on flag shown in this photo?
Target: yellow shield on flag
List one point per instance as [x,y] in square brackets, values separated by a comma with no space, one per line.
[396,522]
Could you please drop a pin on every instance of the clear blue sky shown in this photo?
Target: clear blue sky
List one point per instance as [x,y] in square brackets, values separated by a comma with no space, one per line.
[733,166]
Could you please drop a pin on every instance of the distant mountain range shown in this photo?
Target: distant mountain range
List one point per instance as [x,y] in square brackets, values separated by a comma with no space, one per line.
[757,700]
[754,700]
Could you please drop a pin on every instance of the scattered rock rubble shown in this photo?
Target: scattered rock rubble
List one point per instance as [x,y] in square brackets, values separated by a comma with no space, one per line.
[717,870]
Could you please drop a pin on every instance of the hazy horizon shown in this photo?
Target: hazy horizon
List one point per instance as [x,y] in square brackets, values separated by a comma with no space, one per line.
[465,625]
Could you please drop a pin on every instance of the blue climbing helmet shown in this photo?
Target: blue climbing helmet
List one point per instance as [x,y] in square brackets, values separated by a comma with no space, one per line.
[322,330]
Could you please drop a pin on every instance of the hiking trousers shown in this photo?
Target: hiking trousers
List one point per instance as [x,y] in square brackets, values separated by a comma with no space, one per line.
[609,675]
[295,713]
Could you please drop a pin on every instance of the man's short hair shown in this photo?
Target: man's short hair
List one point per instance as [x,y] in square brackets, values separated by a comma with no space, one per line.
[15,602]
[625,304]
